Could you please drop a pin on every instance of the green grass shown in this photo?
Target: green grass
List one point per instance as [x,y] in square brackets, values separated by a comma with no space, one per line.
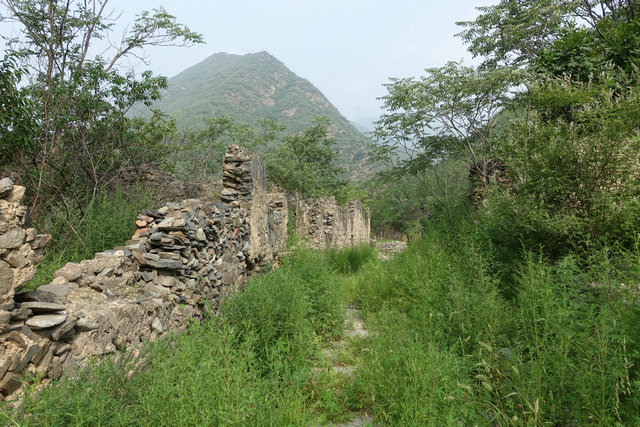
[108,221]
[559,348]
[446,346]
[250,366]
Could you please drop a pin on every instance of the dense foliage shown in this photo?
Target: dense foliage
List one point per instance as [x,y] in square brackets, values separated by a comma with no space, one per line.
[548,125]
[72,138]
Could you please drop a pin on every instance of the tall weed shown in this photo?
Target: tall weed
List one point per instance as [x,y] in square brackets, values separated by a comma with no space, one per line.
[107,221]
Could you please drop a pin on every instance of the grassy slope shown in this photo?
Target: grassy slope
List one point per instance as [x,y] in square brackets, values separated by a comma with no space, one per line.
[254,86]
[445,346]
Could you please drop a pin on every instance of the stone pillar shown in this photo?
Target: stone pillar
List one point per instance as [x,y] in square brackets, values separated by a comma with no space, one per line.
[278,220]
[245,183]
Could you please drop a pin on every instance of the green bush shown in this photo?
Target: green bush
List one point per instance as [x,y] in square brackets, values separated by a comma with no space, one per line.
[273,315]
[351,259]
[206,376]
[560,347]
[406,378]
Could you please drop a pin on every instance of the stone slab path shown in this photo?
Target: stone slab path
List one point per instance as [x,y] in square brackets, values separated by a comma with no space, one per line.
[340,354]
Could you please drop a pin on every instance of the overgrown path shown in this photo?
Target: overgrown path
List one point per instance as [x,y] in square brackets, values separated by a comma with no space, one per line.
[343,355]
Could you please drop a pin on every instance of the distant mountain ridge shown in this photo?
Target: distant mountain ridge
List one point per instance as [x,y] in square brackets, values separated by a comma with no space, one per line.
[255,86]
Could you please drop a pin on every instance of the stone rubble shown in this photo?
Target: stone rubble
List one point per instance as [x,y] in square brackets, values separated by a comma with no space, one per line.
[389,248]
[183,259]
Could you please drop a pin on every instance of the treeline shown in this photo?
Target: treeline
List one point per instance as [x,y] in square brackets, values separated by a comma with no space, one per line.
[546,128]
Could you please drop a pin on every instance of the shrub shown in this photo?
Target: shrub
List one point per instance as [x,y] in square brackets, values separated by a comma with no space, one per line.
[351,259]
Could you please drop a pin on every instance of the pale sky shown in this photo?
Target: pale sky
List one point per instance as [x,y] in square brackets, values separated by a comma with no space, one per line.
[347,48]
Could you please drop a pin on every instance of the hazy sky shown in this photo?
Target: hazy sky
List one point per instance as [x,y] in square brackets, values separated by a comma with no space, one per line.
[347,48]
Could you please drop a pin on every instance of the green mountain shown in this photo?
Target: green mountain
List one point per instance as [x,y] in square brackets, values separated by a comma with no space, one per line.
[254,86]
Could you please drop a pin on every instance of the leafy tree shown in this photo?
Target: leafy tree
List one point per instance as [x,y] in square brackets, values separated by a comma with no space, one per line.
[14,110]
[512,32]
[583,163]
[586,53]
[202,150]
[515,32]
[80,138]
[304,163]
[450,113]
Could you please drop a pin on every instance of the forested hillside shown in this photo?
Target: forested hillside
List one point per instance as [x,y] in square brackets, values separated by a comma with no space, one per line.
[248,88]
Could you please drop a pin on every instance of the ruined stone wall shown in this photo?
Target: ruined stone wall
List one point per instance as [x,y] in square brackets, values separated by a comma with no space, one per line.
[325,224]
[181,255]
[245,185]
[278,218]
[20,247]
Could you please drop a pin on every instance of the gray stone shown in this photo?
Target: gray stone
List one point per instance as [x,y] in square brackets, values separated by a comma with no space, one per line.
[83,324]
[153,257]
[42,307]
[62,348]
[156,325]
[15,195]
[56,368]
[62,329]
[26,358]
[166,281]
[146,276]
[5,186]
[6,279]
[45,321]
[166,264]
[169,255]
[21,314]
[40,241]
[12,239]
[17,260]
[70,272]
[5,318]
[37,295]
[59,290]
[10,384]
[156,291]
[5,362]
[166,224]
[107,272]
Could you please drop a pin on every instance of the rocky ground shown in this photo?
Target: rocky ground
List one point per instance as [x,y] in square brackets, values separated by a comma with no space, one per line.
[388,248]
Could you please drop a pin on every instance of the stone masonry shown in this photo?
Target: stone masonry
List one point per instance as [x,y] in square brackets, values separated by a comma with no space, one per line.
[325,224]
[181,255]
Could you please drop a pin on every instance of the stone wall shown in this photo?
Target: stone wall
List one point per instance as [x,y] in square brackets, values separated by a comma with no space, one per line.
[325,224]
[20,247]
[181,255]
[278,219]
[245,185]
